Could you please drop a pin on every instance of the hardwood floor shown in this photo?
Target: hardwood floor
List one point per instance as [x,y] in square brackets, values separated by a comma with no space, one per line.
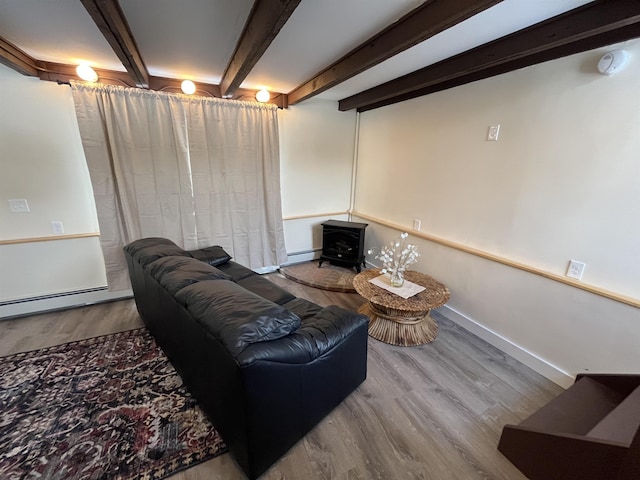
[433,412]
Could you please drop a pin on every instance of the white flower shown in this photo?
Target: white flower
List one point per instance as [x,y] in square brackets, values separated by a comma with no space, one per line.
[397,256]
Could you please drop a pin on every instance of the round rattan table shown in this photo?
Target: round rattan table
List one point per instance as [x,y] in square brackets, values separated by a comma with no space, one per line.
[401,321]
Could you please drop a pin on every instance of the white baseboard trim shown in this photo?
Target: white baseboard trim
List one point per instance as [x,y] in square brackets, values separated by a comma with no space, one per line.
[531,360]
[299,257]
[265,270]
[537,364]
[63,301]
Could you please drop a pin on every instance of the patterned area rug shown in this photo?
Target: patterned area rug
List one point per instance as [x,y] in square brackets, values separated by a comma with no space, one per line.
[110,407]
[327,277]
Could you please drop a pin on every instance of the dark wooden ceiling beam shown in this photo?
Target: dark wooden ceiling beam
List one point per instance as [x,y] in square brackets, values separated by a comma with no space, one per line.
[601,40]
[174,85]
[425,21]
[575,31]
[64,73]
[109,18]
[15,58]
[265,21]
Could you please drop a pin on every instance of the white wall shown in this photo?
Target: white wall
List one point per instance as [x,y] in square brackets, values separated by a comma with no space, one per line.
[41,160]
[316,155]
[562,182]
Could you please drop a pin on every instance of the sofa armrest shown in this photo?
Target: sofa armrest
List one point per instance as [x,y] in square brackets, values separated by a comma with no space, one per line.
[317,335]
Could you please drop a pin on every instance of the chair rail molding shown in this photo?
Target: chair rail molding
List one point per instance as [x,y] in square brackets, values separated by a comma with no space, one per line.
[71,236]
[618,297]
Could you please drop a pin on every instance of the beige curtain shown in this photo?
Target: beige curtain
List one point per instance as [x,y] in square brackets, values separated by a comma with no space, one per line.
[199,171]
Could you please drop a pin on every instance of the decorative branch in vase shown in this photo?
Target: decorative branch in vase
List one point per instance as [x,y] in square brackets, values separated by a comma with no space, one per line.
[396,257]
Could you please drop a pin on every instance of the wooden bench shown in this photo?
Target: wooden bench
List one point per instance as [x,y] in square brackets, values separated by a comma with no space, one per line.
[589,432]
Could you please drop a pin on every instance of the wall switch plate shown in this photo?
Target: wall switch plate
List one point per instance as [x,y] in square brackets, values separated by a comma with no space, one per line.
[19,206]
[417,224]
[57,228]
[493,132]
[576,269]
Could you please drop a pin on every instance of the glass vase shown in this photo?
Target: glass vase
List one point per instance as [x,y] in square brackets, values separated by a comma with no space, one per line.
[397,278]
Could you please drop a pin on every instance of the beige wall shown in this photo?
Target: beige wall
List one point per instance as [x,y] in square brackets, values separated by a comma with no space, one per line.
[41,160]
[562,182]
[316,153]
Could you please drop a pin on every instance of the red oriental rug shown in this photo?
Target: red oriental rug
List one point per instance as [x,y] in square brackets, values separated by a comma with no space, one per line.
[110,407]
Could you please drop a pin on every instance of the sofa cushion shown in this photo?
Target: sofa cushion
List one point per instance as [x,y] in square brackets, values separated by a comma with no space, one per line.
[316,336]
[235,316]
[136,246]
[266,289]
[148,255]
[303,308]
[175,273]
[212,255]
[236,271]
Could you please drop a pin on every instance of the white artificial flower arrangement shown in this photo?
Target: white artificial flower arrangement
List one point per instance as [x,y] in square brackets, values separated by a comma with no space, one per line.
[396,257]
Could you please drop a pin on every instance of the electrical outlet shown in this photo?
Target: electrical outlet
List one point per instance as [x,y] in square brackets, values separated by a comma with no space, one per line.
[57,228]
[19,206]
[576,269]
[417,224]
[492,134]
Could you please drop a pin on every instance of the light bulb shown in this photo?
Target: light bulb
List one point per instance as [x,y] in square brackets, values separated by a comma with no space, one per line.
[188,87]
[263,96]
[85,72]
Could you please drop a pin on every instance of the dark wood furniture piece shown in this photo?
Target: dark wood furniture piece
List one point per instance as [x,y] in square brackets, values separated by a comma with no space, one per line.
[401,321]
[343,243]
[591,431]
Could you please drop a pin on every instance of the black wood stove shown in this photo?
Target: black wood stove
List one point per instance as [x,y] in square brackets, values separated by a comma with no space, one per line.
[343,243]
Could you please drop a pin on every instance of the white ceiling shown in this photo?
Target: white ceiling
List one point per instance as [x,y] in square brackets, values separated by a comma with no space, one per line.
[196,38]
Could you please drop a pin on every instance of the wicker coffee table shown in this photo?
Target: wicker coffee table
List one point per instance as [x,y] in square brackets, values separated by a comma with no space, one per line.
[400,321]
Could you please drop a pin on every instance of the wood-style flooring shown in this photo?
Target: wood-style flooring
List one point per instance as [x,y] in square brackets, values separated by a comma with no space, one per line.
[433,412]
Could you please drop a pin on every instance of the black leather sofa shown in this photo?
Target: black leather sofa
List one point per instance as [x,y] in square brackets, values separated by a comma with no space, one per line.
[265,366]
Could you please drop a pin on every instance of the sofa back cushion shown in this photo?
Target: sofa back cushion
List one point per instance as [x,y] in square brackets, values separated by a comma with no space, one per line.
[145,252]
[137,245]
[266,289]
[236,271]
[235,316]
[175,273]
[215,255]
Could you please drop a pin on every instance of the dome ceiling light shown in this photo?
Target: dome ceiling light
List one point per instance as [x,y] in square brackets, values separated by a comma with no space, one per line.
[188,87]
[263,96]
[85,72]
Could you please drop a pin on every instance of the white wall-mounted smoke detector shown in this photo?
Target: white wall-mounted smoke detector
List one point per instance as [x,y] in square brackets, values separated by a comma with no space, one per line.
[613,62]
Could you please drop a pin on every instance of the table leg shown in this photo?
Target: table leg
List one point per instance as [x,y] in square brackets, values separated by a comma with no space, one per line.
[401,331]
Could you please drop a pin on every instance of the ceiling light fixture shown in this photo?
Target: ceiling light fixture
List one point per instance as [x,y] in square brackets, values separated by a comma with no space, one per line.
[188,87]
[85,72]
[263,96]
